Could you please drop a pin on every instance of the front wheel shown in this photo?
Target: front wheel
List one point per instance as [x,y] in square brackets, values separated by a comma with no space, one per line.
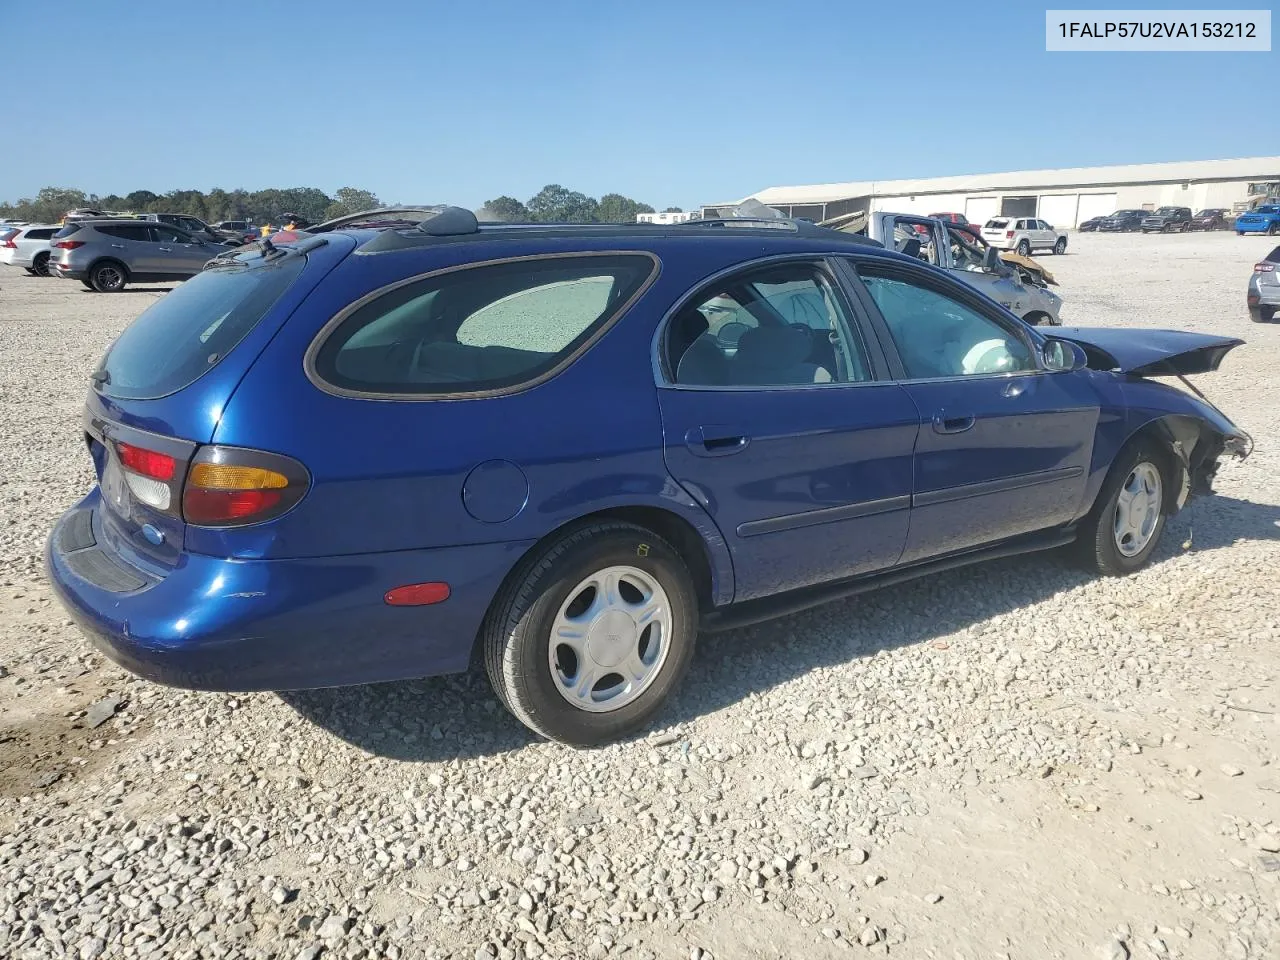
[590,636]
[1122,531]
[1061,246]
[1024,248]
[107,277]
[40,265]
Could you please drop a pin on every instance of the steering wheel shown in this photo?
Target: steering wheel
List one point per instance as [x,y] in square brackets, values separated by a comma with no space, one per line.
[989,356]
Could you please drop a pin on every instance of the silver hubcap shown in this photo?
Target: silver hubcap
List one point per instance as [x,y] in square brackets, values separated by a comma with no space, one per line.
[610,639]
[1138,509]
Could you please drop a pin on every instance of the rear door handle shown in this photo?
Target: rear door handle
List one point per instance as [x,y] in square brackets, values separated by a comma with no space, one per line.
[955,424]
[165,249]
[716,440]
[118,246]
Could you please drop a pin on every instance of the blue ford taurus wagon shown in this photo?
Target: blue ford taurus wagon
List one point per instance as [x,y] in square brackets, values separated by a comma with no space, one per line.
[361,452]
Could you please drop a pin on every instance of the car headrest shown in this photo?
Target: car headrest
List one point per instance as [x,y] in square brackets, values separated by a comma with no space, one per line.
[774,347]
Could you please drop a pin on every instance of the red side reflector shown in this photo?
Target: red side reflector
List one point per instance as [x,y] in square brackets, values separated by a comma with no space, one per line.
[157,466]
[417,594]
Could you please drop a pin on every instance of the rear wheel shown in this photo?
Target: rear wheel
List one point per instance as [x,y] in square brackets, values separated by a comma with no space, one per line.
[1273,229]
[1061,246]
[1122,531]
[40,265]
[588,638]
[107,277]
[1024,248]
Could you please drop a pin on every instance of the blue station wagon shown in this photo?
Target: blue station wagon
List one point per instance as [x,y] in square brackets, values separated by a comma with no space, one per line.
[355,455]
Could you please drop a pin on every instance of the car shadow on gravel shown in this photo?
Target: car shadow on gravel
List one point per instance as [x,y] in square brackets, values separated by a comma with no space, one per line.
[458,716]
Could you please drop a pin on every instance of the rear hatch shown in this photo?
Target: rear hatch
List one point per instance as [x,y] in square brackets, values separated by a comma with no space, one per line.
[159,391]
[998,229]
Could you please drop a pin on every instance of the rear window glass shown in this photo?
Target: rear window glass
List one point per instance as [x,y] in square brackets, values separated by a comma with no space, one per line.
[68,230]
[1274,256]
[998,224]
[188,331]
[487,327]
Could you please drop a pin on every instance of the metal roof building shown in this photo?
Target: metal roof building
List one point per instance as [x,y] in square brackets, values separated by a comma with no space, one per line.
[1064,197]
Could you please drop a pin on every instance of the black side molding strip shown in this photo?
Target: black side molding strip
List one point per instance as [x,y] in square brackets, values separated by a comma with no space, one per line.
[1004,484]
[794,601]
[810,518]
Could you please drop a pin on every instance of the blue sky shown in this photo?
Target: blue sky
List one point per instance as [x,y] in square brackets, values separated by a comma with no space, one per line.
[672,103]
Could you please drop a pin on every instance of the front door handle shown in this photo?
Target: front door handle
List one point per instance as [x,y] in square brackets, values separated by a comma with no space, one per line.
[953,424]
[716,440]
[118,246]
[165,249]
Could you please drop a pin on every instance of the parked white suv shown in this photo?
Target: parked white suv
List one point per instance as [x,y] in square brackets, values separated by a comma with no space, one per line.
[1023,234]
[27,247]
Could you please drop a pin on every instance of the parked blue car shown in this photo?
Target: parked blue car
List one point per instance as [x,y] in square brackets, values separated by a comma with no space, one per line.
[361,456]
[1265,219]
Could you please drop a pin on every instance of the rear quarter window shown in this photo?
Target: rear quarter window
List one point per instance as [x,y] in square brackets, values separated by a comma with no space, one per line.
[480,329]
[187,332]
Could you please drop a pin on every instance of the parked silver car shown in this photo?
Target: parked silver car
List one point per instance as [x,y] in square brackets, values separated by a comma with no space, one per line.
[1263,297]
[28,247]
[1023,234]
[960,252]
[105,255]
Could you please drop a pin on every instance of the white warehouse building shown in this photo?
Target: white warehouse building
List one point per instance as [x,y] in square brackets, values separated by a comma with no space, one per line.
[1064,198]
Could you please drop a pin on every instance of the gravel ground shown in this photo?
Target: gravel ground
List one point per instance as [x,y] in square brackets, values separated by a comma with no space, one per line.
[1012,761]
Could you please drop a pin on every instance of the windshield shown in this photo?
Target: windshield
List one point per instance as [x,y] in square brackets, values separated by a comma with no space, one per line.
[1166,211]
[188,331]
[1269,208]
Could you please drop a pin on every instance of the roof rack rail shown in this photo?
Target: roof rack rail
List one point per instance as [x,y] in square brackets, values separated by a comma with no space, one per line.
[415,213]
[801,228]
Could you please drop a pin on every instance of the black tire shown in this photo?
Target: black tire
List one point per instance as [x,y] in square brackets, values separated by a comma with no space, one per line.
[1061,246]
[516,634]
[1262,313]
[1024,248]
[86,284]
[1096,546]
[40,265]
[1273,229]
[108,277]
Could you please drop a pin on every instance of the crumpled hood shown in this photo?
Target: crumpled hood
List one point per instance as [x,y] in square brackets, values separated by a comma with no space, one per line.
[1150,353]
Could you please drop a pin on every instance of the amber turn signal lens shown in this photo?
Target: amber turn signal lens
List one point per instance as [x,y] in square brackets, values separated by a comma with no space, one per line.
[225,476]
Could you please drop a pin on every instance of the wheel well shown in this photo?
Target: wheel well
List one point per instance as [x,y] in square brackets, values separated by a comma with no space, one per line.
[677,531]
[42,255]
[1160,434]
[101,260]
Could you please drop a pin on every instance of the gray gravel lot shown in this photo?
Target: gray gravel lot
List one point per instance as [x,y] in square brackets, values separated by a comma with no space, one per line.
[1011,761]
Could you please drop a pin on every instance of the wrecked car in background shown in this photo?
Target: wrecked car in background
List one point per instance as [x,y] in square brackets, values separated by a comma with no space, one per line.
[1013,280]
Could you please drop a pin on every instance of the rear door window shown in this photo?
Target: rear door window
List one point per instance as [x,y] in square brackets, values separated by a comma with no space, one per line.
[127,231]
[483,328]
[188,331]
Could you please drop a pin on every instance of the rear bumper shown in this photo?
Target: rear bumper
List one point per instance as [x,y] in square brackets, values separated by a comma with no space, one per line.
[240,625]
[56,269]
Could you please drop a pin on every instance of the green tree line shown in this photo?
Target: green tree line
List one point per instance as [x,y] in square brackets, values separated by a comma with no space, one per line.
[261,206]
[553,203]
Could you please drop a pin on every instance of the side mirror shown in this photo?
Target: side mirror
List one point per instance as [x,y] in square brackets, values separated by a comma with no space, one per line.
[1063,356]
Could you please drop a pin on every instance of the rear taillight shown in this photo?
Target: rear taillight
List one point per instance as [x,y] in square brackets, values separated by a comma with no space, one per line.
[9,243]
[227,486]
[1008,234]
[68,244]
[148,474]
[1264,268]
